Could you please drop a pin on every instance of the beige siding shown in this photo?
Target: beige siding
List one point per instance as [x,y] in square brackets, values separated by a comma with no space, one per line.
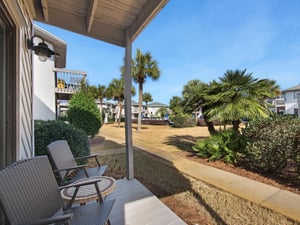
[24,122]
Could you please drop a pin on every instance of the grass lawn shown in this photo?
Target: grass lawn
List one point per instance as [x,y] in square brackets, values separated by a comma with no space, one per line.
[192,200]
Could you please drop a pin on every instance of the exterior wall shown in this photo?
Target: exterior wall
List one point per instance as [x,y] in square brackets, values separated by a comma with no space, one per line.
[154,108]
[44,107]
[23,134]
[291,103]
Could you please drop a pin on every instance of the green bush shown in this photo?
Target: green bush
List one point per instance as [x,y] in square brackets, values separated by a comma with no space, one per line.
[46,132]
[182,120]
[223,145]
[272,143]
[84,113]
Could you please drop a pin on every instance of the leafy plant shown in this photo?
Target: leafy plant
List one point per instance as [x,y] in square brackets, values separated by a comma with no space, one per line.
[46,132]
[220,146]
[83,113]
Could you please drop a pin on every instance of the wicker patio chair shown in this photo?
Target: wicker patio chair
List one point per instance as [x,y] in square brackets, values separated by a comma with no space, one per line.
[29,194]
[66,166]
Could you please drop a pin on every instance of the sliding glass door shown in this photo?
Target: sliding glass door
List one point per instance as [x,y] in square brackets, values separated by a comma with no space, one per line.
[7,89]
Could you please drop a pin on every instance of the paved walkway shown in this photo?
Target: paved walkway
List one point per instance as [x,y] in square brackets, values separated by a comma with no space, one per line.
[281,201]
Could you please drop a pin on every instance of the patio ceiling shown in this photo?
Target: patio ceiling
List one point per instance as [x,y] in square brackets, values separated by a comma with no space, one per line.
[117,22]
[105,20]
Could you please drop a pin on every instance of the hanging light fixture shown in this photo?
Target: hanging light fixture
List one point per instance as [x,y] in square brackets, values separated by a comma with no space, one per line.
[41,50]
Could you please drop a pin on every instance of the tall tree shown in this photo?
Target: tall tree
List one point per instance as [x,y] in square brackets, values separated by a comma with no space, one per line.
[143,66]
[115,91]
[92,90]
[194,93]
[176,105]
[239,95]
[98,93]
[147,97]
[162,111]
[101,94]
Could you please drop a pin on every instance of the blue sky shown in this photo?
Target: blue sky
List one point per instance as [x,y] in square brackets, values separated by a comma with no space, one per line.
[201,39]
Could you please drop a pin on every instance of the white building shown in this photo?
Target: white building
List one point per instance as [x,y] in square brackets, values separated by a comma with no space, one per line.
[292,100]
[44,99]
[154,107]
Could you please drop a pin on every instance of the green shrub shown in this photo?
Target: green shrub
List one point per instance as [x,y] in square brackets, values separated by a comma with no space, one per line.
[46,132]
[271,143]
[84,114]
[223,145]
[182,120]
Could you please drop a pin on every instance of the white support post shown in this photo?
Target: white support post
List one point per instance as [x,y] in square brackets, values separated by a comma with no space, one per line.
[128,120]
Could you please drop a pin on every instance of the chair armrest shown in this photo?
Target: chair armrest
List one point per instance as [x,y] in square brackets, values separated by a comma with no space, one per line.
[72,168]
[88,157]
[52,220]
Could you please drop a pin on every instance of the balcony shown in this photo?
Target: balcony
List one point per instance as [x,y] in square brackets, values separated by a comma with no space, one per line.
[279,102]
[67,82]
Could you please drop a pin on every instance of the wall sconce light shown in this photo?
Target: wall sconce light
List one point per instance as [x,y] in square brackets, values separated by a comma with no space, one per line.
[41,50]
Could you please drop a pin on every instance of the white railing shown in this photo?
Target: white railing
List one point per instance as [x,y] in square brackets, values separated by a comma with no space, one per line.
[69,81]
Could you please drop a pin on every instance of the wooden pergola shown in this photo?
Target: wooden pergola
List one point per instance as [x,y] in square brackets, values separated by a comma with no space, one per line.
[117,22]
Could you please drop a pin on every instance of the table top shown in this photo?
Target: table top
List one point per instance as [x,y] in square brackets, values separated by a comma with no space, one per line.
[88,192]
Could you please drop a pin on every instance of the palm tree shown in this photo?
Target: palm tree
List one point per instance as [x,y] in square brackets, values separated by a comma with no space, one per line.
[98,93]
[92,90]
[239,95]
[115,90]
[162,111]
[143,66]
[101,92]
[194,93]
[176,105]
[147,97]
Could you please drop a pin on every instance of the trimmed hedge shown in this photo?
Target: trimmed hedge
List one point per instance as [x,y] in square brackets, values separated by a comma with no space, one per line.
[183,120]
[52,130]
[272,143]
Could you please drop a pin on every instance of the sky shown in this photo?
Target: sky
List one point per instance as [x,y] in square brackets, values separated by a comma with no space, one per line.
[200,39]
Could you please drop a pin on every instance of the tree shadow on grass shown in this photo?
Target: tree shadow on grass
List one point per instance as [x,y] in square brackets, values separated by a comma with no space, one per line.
[163,180]
[183,142]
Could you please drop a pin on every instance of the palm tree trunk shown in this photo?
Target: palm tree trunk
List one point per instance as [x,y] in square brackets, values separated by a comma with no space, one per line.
[120,112]
[210,125]
[140,106]
[236,125]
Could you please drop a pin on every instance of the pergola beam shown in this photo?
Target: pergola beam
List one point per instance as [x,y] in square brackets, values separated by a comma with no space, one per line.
[91,15]
[45,10]
[147,13]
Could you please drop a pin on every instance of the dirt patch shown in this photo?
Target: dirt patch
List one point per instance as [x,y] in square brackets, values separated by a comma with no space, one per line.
[288,180]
